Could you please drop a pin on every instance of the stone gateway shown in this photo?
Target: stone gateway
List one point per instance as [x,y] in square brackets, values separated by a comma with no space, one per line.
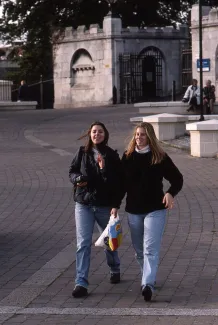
[99,66]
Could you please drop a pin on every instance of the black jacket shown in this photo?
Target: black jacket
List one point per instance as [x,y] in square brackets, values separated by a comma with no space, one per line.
[144,182]
[103,186]
[23,92]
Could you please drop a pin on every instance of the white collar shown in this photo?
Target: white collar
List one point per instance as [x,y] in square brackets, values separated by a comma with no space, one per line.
[96,154]
[143,150]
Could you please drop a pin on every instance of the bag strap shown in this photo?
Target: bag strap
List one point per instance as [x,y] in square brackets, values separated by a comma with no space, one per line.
[82,161]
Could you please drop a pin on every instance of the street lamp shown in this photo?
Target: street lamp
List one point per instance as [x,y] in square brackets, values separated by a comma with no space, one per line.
[201,63]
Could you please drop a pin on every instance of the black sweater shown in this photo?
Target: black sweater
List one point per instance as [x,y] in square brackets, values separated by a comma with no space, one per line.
[144,182]
[104,185]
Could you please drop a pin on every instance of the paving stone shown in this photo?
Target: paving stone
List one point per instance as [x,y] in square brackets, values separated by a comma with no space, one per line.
[37,232]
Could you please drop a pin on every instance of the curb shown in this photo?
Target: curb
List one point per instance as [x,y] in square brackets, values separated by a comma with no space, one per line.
[180,147]
[176,146]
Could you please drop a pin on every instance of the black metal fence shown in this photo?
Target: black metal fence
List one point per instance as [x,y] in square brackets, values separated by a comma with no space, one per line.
[186,68]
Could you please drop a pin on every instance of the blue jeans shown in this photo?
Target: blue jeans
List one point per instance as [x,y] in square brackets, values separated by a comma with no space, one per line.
[146,233]
[85,217]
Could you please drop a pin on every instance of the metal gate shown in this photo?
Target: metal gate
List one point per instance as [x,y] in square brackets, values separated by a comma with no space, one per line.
[141,76]
[186,68]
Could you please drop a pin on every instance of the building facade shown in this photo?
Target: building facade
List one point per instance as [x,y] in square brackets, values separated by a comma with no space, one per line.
[210,43]
[7,54]
[113,64]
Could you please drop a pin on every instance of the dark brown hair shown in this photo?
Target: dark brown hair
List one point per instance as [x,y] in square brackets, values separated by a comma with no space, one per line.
[89,143]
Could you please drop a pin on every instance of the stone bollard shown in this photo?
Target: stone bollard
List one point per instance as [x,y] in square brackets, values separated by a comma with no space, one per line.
[204,138]
[166,126]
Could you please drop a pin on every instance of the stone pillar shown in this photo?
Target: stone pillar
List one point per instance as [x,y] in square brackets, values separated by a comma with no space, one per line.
[167,126]
[5,90]
[207,51]
[112,27]
[195,12]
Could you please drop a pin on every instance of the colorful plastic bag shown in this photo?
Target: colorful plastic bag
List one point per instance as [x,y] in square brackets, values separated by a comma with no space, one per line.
[103,240]
[114,233]
[111,237]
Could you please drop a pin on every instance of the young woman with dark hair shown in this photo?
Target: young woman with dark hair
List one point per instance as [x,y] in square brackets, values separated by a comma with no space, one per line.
[96,175]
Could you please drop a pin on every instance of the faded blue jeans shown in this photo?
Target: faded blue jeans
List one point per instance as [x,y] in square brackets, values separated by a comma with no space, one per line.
[146,233]
[85,217]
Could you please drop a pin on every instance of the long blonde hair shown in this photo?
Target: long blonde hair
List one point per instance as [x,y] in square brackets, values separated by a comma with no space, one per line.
[157,152]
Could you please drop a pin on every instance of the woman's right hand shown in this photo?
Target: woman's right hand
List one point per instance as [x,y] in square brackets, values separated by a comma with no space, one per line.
[101,161]
[114,212]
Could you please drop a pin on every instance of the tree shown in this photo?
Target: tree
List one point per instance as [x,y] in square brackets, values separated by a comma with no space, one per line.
[36,21]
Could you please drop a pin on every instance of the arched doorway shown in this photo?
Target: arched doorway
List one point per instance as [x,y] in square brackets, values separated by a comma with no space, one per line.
[149,77]
[152,73]
[141,75]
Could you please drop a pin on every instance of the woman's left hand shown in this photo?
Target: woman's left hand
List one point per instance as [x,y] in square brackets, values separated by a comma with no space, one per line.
[168,201]
[114,212]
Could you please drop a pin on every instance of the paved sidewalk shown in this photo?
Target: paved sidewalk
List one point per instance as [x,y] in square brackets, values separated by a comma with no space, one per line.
[37,236]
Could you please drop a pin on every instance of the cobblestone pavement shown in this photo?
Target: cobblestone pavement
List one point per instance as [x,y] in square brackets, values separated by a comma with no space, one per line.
[37,233]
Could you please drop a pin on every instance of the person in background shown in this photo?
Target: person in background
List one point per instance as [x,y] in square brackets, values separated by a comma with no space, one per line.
[23,91]
[145,165]
[209,97]
[97,178]
[192,96]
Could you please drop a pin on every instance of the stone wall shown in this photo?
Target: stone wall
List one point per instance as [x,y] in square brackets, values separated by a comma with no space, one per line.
[86,62]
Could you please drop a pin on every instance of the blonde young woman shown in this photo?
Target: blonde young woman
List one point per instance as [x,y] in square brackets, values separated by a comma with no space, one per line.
[145,164]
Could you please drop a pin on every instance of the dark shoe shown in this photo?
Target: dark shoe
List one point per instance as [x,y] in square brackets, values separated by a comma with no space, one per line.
[147,293]
[79,292]
[115,278]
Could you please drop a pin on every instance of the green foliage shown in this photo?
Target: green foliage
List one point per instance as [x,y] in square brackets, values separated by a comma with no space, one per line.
[36,20]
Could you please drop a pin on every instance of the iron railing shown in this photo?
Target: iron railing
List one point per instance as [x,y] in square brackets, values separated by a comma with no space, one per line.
[141,76]
[41,91]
